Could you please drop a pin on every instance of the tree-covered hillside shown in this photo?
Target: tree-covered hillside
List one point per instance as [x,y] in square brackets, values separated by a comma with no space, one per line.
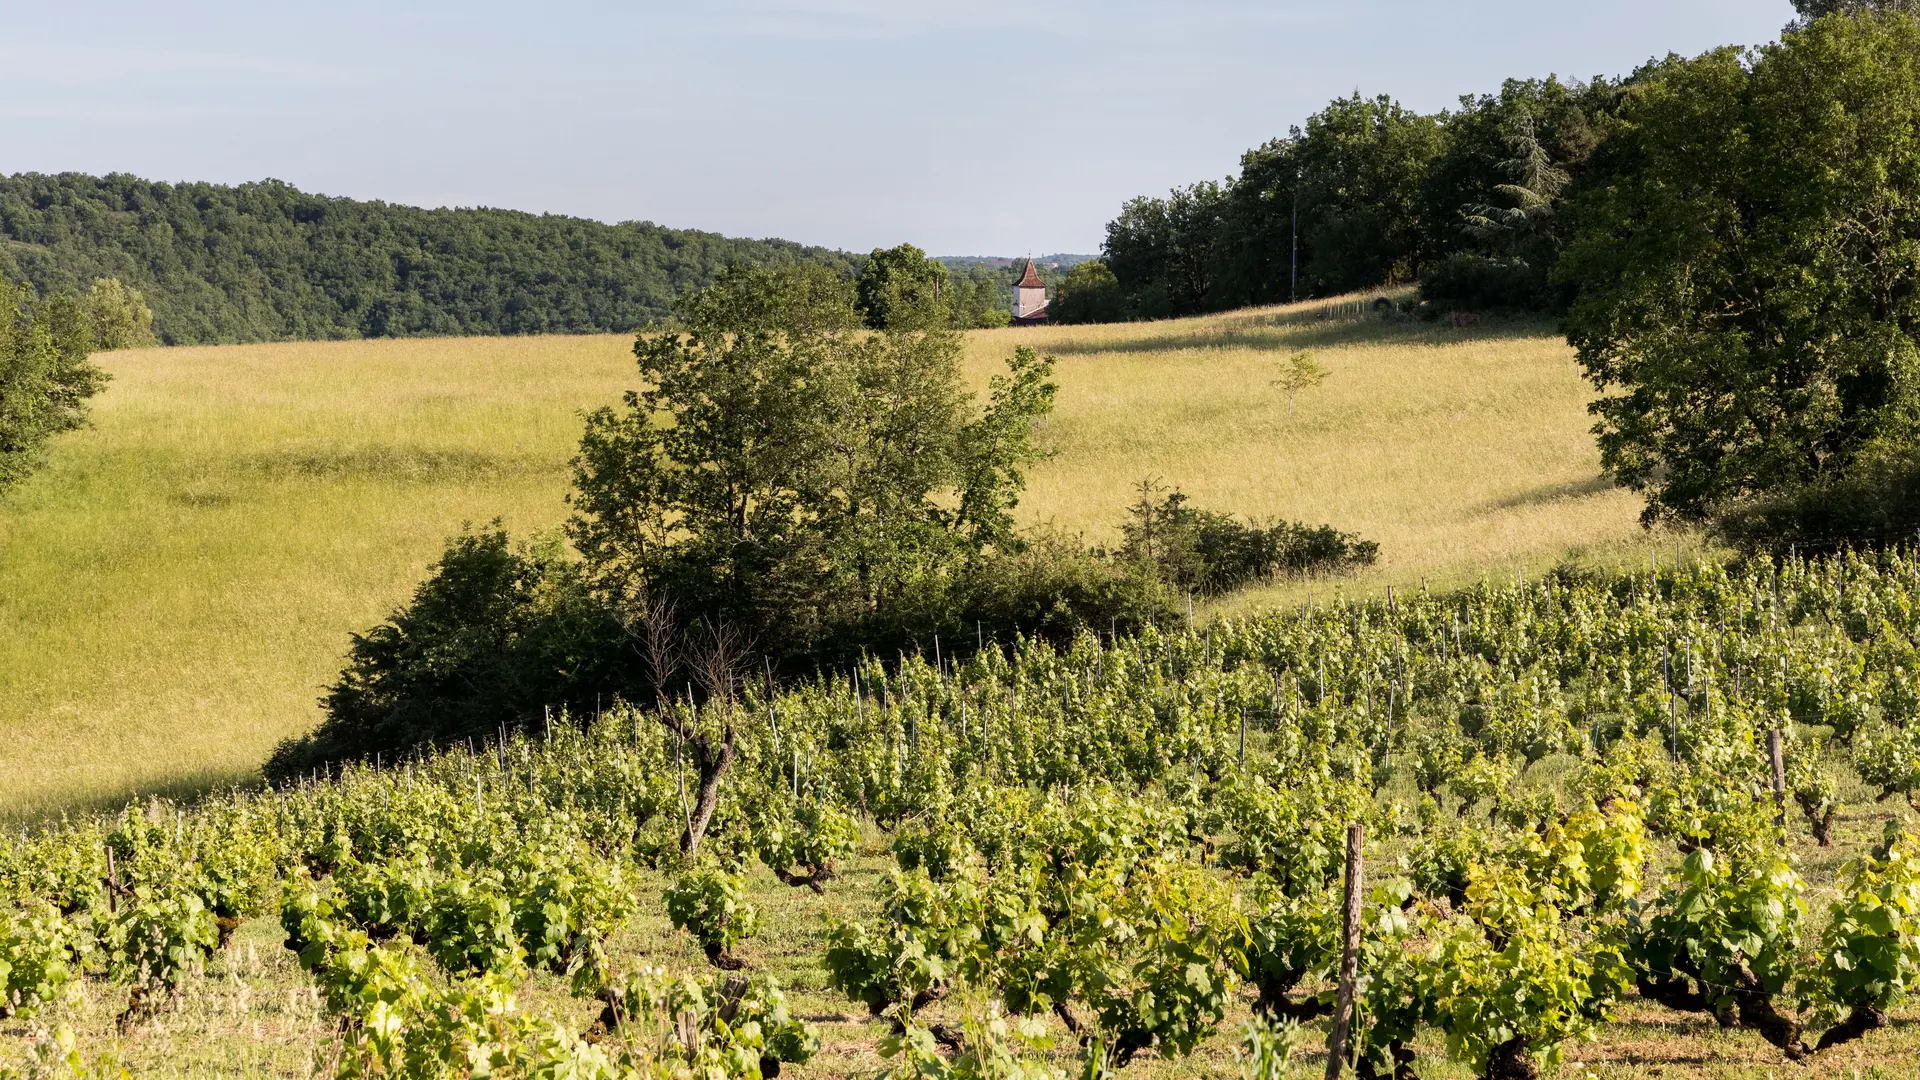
[267,261]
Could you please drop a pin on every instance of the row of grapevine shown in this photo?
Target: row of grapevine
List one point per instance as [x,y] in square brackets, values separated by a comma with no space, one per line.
[1126,834]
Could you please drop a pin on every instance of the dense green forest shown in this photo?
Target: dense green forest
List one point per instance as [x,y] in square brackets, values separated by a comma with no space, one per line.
[1476,203]
[1367,193]
[266,261]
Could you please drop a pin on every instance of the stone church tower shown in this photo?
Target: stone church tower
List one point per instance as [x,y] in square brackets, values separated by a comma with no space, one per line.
[1030,297]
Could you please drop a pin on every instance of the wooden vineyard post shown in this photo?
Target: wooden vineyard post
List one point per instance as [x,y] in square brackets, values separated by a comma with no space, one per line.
[1779,778]
[1349,953]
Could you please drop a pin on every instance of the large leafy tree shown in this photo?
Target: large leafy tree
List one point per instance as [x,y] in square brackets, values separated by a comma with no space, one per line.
[786,471]
[1253,259]
[117,316]
[1745,259]
[1362,164]
[1493,198]
[1161,251]
[1090,294]
[1813,9]
[1495,140]
[900,288]
[45,376]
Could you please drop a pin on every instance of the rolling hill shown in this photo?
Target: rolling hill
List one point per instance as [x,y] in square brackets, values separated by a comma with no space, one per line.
[269,262]
[178,586]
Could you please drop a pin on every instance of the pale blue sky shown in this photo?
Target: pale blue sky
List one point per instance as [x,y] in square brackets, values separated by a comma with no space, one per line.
[965,128]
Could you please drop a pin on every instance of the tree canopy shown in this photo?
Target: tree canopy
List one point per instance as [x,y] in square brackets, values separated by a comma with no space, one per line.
[45,375]
[1090,294]
[1743,253]
[899,288]
[117,316]
[1813,9]
[787,470]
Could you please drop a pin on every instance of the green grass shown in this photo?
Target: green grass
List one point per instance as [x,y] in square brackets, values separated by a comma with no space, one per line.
[178,586]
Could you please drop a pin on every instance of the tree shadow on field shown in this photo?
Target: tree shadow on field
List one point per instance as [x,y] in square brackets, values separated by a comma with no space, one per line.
[187,790]
[394,464]
[1565,491]
[1279,334]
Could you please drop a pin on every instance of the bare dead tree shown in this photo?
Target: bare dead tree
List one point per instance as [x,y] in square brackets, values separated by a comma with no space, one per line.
[719,660]
[659,638]
[715,656]
[718,657]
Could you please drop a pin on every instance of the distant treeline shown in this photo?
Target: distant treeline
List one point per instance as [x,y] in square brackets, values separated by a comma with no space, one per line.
[1381,194]
[266,261]
[1477,204]
[1060,261]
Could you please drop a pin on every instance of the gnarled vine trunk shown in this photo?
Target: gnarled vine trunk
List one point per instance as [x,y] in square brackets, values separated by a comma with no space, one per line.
[1820,818]
[1862,1019]
[711,764]
[1510,1061]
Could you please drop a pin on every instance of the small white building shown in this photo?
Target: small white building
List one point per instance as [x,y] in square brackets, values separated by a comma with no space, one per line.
[1029,298]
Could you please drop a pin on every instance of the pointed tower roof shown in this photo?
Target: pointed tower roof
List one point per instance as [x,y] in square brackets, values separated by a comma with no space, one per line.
[1030,280]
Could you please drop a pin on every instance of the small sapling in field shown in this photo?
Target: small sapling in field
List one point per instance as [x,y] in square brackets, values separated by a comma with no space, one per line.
[1300,372]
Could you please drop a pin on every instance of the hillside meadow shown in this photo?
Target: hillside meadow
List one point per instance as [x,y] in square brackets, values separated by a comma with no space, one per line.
[178,586]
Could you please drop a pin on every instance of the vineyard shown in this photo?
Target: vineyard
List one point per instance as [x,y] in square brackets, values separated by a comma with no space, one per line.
[1593,807]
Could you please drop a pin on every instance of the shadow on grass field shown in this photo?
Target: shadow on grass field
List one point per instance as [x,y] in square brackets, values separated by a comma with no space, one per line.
[1548,494]
[1176,336]
[179,585]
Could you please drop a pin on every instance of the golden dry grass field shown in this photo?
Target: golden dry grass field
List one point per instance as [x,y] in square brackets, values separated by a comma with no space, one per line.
[178,585]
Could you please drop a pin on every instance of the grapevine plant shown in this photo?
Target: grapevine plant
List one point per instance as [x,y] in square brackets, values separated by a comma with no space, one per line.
[1870,950]
[1724,939]
[711,904]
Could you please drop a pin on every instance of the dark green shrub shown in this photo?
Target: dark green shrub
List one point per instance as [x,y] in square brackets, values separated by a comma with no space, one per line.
[1091,294]
[1468,282]
[1210,553]
[1875,504]
[496,635]
[1051,587]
